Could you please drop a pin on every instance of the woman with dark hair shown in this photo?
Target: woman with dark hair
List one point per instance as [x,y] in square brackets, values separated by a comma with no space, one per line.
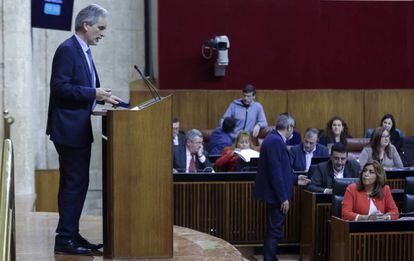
[229,161]
[370,198]
[388,122]
[336,131]
[381,149]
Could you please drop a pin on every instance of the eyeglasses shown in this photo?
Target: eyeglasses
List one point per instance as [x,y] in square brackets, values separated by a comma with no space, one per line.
[385,136]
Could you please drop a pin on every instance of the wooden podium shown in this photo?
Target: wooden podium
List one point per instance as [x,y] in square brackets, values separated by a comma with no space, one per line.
[137,182]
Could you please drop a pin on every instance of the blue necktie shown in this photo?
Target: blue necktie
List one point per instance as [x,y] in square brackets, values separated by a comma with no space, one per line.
[92,72]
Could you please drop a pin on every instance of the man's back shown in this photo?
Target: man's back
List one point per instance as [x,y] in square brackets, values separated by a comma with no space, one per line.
[274,179]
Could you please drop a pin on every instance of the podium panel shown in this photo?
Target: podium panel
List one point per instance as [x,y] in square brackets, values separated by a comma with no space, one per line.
[138,214]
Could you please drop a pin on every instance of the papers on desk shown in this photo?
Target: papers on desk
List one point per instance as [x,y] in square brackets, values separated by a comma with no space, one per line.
[247,154]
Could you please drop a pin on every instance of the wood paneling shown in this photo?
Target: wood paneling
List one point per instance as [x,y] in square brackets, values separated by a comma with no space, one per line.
[361,109]
[227,210]
[218,102]
[314,108]
[139,183]
[191,109]
[397,102]
[46,188]
[274,103]
[374,245]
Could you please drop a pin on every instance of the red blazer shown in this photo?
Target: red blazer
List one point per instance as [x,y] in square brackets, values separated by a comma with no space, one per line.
[228,161]
[357,202]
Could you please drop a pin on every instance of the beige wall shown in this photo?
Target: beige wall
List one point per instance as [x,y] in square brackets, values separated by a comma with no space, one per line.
[25,64]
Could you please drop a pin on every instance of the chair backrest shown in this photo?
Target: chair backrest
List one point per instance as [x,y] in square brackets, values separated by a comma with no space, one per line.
[409,195]
[338,192]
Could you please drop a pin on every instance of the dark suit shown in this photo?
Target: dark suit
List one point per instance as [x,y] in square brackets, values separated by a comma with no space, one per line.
[181,139]
[323,175]
[180,160]
[71,99]
[298,158]
[273,185]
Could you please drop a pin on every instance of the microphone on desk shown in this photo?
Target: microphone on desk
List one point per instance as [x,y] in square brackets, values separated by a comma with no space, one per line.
[150,86]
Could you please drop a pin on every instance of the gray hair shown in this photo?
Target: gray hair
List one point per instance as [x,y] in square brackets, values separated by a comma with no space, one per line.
[311,132]
[284,121]
[192,134]
[90,15]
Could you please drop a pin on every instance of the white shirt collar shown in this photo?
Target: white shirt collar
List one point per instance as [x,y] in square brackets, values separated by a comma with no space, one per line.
[309,152]
[82,43]
[283,136]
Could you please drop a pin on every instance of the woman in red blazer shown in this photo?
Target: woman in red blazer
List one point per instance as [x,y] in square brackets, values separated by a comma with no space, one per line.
[228,160]
[370,198]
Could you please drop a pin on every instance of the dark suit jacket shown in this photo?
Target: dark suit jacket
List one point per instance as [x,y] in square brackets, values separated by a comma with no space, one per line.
[71,96]
[181,139]
[298,159]
[180,160]
[274,179]
[322,176]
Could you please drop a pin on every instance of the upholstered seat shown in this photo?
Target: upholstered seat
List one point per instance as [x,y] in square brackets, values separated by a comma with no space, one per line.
[409,195]
[338,192]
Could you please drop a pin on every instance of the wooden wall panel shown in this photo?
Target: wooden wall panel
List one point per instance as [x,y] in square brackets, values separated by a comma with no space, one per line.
[218,102]
[361,109]
[46,188]
[397,102]
[314,108]
[274,103]
[191,108]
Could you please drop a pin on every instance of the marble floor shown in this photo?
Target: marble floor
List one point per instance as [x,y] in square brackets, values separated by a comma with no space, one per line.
[35,232]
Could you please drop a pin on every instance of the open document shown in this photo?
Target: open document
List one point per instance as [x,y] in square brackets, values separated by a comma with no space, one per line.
[247,154]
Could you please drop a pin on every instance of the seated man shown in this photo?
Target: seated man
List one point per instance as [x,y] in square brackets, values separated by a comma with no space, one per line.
[294,139]
[178,136]
[191,157]
[301,155]
[248,113]
[338,166]
[220,138]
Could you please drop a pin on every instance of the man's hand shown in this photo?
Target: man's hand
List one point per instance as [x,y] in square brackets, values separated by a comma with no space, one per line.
[256,130]
[303,180]
[113,100]
[285,207]
[101,94]
[200,151]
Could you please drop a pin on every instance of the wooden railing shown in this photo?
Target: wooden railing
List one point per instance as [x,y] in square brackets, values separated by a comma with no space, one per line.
[7,210]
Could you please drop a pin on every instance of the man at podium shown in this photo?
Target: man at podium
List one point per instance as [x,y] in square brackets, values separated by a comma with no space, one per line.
[74,91]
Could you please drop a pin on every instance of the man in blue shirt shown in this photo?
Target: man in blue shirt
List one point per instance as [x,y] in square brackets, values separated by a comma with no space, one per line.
[301,155]
[221,138]
[248,113]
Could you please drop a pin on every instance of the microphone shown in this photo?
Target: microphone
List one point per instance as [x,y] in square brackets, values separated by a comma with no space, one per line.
[149,85]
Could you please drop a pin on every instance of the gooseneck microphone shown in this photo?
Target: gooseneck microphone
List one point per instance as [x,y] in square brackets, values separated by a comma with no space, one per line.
[150,86]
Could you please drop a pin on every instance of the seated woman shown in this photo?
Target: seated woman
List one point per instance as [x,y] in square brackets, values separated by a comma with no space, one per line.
[336,131]
[370,198]
[388,122]
[381,149]
[229,161]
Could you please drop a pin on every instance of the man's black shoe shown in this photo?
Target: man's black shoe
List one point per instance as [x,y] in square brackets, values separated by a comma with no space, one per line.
[86,244]
[71,247]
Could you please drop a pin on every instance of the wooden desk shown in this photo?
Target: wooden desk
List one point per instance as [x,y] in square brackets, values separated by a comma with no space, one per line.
[221,204]
[396,177]
[372,240]
[316,212]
